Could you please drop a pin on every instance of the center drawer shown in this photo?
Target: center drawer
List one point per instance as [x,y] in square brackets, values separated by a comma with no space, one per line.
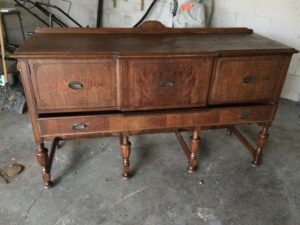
[161,83]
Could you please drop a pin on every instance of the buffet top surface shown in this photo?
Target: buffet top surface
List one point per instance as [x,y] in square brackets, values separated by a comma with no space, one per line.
[66,42]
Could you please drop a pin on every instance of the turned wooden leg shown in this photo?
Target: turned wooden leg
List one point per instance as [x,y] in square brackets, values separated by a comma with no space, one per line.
[195,140]
[43,160]
[261,142]
[125,152]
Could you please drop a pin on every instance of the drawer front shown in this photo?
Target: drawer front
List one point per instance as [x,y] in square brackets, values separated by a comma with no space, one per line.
[165,83]
[135,122]
[74,85]
[247,115]
[248,79]
[73,125]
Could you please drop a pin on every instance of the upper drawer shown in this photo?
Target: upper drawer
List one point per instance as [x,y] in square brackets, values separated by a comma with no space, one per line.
[74,85]
[161,83]
[248,79]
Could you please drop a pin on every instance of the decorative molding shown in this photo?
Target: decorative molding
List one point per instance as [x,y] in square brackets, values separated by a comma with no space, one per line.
[152,27]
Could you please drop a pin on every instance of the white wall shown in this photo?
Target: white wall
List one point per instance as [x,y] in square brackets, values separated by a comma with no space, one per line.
[84,11]
[129,13]
[126,14]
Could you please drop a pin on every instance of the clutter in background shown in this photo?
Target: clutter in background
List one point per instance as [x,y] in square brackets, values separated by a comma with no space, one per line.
[10,100]
[190,14]
[185,13]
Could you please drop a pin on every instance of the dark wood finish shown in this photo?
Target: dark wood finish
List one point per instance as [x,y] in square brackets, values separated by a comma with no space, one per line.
[183,144]
[43,160]
[74,85]
[82,83]
[63,126]
[151,39]
[261,142]
[195,140]
[165,83]
[190,152]
[125,152]
[251,79]
[30,99]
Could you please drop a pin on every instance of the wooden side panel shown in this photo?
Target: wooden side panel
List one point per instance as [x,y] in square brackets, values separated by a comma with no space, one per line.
[30,99]
[165,83]
[248,79]
[74,85]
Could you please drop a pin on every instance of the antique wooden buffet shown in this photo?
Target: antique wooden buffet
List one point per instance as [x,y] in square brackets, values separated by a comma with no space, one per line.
[94,82]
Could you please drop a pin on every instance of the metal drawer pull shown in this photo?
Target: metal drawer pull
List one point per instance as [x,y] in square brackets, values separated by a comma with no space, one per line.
[246,116]
[79,126]
[166,83]
[75,85]
[248,80]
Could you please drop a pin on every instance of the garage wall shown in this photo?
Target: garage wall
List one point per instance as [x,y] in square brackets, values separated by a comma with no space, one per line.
[29,23]
[129,13]
[277,19]
[126,14]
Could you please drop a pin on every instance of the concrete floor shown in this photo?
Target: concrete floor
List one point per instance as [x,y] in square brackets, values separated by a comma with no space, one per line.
[89,190]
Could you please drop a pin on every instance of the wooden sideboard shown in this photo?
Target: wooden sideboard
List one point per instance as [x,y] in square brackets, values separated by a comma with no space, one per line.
[95,82]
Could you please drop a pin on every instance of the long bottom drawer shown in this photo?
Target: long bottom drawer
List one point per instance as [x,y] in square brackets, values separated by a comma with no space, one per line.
[113,123]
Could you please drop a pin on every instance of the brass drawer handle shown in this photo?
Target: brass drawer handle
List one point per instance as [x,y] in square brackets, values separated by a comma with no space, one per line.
[75,85]
[79,126]
[246,116]
[167,83]
[248,80]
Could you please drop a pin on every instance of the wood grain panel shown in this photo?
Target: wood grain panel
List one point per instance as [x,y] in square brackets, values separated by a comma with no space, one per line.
[248,79]
[151,38]
[63,126]
[95,79]
[166,83]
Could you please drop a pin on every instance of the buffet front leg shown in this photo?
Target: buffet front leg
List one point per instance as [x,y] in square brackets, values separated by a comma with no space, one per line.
[261,142]
[43,160]
[46,160]
[195,140]
[125,152]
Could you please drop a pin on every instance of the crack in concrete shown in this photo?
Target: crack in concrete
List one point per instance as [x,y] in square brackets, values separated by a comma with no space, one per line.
[33,204]
[130,195]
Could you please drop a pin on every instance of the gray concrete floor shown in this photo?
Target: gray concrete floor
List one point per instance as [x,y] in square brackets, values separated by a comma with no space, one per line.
[89,190]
